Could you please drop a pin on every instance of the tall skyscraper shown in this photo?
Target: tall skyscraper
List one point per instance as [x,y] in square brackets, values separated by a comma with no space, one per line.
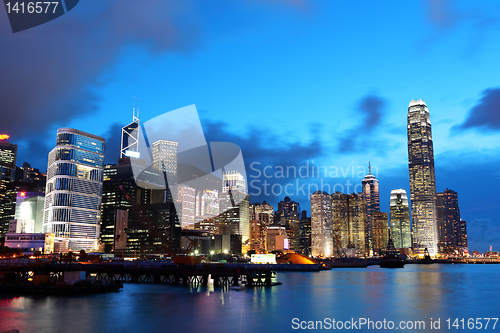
[165,156]
[340,208]
[234,217]
[130,139]
[380,231]
[321,224]
[422,178]
[350,222]
[400,219]
[448,215]
[186,197]
[233,180]
[286,208]
[462,237]
[152,226]
[305,234]
[73,191]
[8,155]
[358,226]
[372,197]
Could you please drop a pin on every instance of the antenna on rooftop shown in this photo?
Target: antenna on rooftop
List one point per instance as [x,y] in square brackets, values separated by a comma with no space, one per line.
[134,117]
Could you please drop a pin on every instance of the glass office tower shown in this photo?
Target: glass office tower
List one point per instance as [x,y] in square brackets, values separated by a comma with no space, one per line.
[422,178]
[400,219]
[74,189]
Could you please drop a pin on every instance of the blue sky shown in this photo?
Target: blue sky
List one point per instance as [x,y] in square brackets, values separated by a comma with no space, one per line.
[290,81]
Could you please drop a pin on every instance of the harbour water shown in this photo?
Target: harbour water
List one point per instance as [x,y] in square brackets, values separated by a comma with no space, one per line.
[417,293]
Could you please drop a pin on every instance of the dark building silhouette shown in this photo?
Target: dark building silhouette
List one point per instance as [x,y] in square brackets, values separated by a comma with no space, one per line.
[449,224]
[149,226]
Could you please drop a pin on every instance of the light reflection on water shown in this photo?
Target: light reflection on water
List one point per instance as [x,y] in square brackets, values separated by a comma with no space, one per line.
[417,292]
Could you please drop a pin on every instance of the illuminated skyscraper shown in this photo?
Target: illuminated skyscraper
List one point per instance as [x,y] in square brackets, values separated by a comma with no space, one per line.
[186,197]
[358,226]
[422,178]
[400,219]
[350,222]
[340,208]
[130,139]
[74,188]
[380,231]
[8,154]
[233,180]
[286,208]
[321,224]
[234,217]
[371,194]
[305,234]
[165,156]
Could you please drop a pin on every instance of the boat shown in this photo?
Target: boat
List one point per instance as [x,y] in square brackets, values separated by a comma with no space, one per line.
[391,259]
[426,260]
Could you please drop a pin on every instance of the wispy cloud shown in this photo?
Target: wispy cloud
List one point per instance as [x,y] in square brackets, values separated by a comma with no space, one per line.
[48,71]
[371,107]
[485,114]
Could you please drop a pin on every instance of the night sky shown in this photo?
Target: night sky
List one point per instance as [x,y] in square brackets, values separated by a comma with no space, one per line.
[293,83]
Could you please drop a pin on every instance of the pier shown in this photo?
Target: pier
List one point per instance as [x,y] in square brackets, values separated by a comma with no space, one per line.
[187,275]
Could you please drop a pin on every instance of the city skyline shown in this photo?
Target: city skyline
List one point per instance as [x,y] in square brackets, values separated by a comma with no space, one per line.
[290,88]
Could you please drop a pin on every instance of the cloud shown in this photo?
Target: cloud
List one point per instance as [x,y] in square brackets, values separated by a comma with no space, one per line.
[113,143]
[260,144]
[441,13]
[260,150]
[48,72]
[485,114]
[371,108]
[448,17]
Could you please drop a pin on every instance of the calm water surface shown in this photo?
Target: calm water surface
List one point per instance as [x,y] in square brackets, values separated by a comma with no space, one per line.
[417,292]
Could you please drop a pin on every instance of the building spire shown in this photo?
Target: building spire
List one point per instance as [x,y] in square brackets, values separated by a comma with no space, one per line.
[369,168]
[134,117]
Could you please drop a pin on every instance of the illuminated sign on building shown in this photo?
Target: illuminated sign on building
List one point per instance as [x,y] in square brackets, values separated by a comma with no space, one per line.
[130,153]
[4,136]
[263,258]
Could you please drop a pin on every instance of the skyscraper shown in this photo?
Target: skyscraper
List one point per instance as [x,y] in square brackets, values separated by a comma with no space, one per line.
[448,220]
[380,231]
[165,156]
[186,197]
[130,139]
[321,224]
[400,219]
[422,178]
[340,207]
[371,194]
[8,154]
[286,208]
[234,217]
[305,234]
[151,226]
[358,226]
[73,191]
